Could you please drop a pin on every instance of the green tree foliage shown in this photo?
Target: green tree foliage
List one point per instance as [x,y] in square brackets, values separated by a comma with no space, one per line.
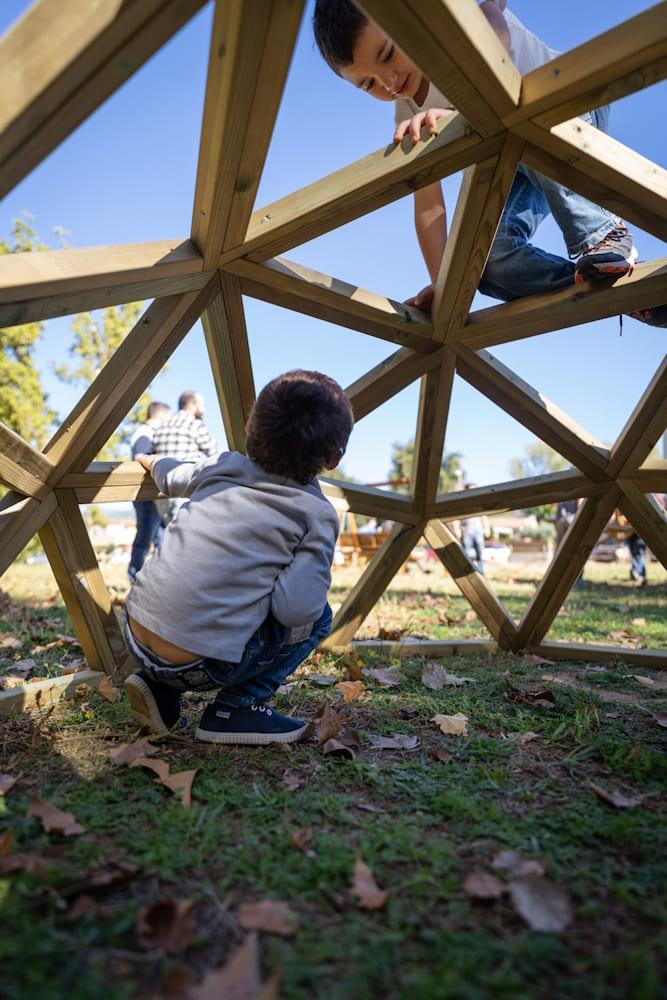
[402,462]
[538,459]
[23,402]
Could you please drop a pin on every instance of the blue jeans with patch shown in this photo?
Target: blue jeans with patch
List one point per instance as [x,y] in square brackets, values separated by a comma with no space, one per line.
[271,655]
[515,267]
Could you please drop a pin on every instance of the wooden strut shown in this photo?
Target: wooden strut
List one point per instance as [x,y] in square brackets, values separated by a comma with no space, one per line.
[82,57]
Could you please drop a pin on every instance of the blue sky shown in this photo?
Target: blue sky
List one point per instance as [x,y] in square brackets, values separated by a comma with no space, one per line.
[128,173]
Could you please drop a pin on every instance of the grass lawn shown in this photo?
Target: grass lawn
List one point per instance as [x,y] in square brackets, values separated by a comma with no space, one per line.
[289,824]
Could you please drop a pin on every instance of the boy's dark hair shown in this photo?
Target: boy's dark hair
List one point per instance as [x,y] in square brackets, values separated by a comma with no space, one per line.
[155,409]
[298,424]
[337,24]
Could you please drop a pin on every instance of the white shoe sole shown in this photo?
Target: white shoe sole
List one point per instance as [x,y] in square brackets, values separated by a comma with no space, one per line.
[144,706]
[251,739]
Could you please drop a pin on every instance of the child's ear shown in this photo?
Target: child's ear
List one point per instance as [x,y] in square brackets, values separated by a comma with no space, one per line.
[334,461]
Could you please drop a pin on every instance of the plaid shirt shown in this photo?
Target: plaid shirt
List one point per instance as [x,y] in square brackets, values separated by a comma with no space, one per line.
[184,437]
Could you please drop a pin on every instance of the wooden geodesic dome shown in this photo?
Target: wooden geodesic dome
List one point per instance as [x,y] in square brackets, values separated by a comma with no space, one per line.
[64,57]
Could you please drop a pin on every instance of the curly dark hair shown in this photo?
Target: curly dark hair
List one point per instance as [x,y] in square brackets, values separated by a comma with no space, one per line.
[336,25]
[298,425]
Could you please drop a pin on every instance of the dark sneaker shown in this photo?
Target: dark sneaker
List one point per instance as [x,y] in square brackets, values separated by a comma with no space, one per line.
[255,725]
[156,706]
[613,257]
[657,316]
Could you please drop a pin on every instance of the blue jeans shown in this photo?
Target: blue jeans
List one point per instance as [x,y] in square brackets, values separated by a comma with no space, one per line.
[149,531]
[268,659]
[515,267]
[637,548]
[473,546]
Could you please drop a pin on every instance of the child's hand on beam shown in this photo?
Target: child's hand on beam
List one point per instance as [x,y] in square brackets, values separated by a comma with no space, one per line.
[414,125]
[147,461]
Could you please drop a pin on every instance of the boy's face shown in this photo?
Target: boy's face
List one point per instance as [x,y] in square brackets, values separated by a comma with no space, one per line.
[380,68]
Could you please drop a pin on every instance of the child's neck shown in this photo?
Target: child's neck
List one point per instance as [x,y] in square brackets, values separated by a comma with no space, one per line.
[422,91]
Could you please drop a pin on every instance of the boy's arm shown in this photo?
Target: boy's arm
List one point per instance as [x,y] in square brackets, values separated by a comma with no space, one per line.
[431,226]
[173,477]
[300,591]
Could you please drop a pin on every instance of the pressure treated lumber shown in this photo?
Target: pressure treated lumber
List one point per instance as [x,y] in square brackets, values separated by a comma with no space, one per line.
[229,354]
[599,653]
[515,495]
[369,500]
[434,404]
[651,476]
[388,378]
[62,60]
[627,58]
[424,647]
[646,516]
[47,691]
[251,48]
[472,584]
[20,519]
[37,286]
[644,426]
[111,482]
[22,467]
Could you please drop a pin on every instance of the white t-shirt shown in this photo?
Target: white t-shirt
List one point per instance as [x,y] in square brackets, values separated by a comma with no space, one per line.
[526,50]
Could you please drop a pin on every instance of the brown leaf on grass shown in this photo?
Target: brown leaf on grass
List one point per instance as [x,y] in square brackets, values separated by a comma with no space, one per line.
[532,695]
[543,905]
[7,781]
[268,916]
[366,889]
[644,681]
[661,719]
[370,807]
[9,641]
[238,979]
[440,755]
[516,866]
[127,752]
[528,737]
[391,634]
[73,666]
[293,781]
[108,690]
[160,767]
[353,668]
[22,667]
[302,840]
[54,819]
[351,690]
[322,680]
[397,741]
[330,724]
[616,799]
[386,676]
[32,863]
[350,738]
[536,660]
[482,885]
[338,749]
[180,783]
[628,638]
[86,906]
[639,622]
[166,926]
[454,725]
[435,676]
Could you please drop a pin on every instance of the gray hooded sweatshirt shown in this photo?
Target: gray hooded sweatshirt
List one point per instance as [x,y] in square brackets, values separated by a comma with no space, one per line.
[246,543]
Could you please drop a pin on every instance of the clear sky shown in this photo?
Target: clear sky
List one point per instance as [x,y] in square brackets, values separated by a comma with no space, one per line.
[128,173]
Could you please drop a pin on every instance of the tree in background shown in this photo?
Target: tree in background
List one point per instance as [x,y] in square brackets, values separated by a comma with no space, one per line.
[402,463]
[539,459]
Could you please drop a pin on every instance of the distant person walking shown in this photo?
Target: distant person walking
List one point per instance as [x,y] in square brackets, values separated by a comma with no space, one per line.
[473,530]
[149,522]
[184,437]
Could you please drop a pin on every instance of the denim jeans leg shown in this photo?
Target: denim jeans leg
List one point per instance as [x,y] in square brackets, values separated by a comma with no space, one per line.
[148,524]
[265,666]
[515,267]
[473,546]
[637,547]
[582,223]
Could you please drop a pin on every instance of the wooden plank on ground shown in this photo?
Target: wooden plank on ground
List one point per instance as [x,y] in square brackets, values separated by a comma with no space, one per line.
[388,378]
[126,375]
[88,601]
[514,495]
[536,314]
[627,58]
[62,60]
[251,48]
[599,653]
[434,402]
[368,500]
[505,388]
[567,564]
[373,582]
[472,584]
[22,467]
[646,516]
[229,354]
[290,285]
[47,691]
[644,426]
[426,647]
[360,188]
[20,519]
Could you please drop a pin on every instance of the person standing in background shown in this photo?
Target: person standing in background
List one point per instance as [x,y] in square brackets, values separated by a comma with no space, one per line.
[183,436]
[149,522]
[473,530]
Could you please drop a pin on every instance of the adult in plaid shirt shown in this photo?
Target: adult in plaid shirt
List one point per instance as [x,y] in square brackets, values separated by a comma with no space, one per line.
[185,437]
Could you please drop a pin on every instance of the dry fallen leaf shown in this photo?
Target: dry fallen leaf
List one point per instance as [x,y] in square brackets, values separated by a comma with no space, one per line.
[73,666]
[517,867]
[7,781]
[351,690]
[180,783]
[53,818]
[435,676]
[386,676]
[640,622]
[350,738]
[322,680]
[166,926]
[302,840]
[291,780]
[616,799]
[268,916]
[160,767]
[22,667]
[354,671]
[365,888]
[9,641]
[338,749]
[330,724]
[528,737]
[454,725]
[532,695]
[543,905]
[238,979]
[661,719]
[127,752]
[644,681]
[481,885]
[397,741]
[536,660]
[440,755]
[108,690]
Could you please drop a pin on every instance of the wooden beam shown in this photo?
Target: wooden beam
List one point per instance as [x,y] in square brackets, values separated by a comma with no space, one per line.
[472,584]
[22,467]
[602,169]
[644,427]
[20,519]
[646,517]
[38,286]
[126,375]
[598,653]
[434,402]
[61,61]
[251,48]
[87,599]
[110,482]
[373,583]
[514,495]
[229,354]
[368,500]
[627,58]
[480,205]
[355,190]
[458,50]
[568,562]
[534,411]
[47,691]
[388,378]
[425,647]
[651,476]
[290,285]
[536,314]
